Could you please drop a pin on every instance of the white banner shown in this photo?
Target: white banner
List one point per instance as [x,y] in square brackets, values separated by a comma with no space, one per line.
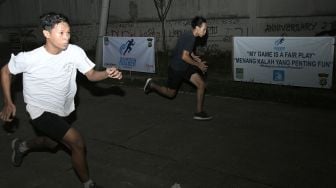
[129,53]
[296,61]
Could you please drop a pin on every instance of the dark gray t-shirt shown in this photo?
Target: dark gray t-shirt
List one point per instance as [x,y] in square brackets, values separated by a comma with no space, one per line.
[185,42]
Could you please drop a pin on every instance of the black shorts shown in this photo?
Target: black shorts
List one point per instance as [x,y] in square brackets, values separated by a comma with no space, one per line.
[176,78]
[51,125]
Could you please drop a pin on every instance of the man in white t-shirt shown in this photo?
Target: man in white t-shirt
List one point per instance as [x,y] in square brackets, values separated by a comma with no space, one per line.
[49,88]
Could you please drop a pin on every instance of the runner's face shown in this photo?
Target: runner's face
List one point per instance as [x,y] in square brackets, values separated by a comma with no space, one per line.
[202,30]
[58,37]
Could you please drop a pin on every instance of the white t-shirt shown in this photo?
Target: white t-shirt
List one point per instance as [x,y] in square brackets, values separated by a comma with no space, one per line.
[49,81]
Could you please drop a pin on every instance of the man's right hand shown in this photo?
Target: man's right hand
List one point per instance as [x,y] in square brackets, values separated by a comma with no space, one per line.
[8,112]
[203,66]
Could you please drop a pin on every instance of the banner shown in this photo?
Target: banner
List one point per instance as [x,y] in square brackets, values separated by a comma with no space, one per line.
[296,61]
[129,53]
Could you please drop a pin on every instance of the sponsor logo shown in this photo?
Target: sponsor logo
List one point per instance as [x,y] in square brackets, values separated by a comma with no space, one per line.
[278,44]
[278,75]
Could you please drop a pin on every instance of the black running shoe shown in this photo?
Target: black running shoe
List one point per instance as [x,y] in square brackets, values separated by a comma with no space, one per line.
[17,155]
[202,116]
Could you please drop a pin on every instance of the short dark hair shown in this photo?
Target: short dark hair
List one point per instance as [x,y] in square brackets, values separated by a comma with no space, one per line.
[49,20]
[197,21]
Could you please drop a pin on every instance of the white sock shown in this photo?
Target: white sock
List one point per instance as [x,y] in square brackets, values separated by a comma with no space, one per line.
[88,183]
[23,147]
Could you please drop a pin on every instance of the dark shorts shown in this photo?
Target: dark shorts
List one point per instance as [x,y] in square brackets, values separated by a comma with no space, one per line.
[176,78]
[51,125]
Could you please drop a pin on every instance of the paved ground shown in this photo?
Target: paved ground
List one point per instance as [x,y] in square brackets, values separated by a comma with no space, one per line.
[139,141]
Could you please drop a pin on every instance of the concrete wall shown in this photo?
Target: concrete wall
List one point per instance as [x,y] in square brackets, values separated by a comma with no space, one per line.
[226,18]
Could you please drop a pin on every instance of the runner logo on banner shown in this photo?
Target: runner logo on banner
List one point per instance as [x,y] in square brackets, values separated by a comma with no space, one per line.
[130,53]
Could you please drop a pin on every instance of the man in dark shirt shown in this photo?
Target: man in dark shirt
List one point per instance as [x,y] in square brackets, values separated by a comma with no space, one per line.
[185,66]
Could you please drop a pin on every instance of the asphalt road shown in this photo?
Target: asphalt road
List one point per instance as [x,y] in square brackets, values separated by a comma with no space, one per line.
[143,141]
